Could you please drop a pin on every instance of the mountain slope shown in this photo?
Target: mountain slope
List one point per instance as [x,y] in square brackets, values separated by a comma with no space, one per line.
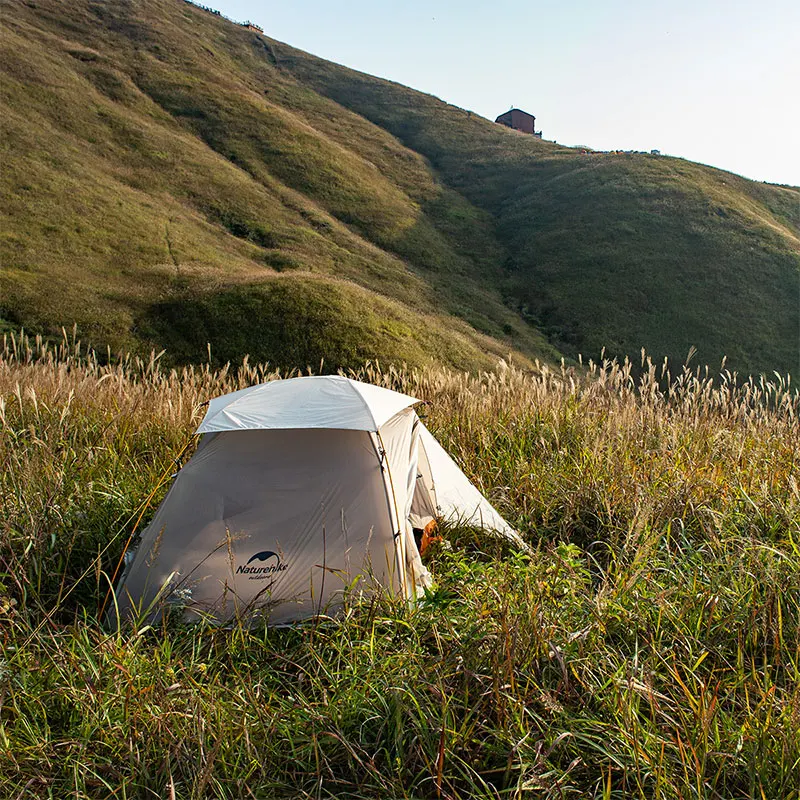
[137,186]
[170,178]
[610,250]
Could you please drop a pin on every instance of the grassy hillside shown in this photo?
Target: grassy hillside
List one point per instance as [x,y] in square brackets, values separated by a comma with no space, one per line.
[160,173]
[158,158]
[649,646]
[621,251]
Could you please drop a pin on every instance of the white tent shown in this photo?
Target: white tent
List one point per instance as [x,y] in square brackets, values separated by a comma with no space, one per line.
[300,490]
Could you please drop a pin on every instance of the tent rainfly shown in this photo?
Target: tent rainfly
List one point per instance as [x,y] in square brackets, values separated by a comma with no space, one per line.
[299,490]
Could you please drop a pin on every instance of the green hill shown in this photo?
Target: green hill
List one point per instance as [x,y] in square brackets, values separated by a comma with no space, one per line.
[171,178]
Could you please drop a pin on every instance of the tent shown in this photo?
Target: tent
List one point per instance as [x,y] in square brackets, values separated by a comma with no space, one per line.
[300,490]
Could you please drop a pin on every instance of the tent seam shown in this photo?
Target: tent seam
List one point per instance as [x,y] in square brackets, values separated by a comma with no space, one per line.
[363,400]
[391,503]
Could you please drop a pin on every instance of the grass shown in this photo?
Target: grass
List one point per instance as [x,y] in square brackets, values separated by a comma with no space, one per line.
[607,251]
[648,646]
[187,170]
[302,319]
[179,155]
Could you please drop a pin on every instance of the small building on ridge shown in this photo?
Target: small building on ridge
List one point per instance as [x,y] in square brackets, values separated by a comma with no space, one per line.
[520,121]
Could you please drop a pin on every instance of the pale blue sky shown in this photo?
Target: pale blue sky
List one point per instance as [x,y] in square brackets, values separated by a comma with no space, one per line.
[716,82]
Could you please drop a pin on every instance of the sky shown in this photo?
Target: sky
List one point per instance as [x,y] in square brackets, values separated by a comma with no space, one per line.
[711,81]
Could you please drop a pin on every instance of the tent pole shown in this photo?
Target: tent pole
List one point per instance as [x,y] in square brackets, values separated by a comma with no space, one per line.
[394,514]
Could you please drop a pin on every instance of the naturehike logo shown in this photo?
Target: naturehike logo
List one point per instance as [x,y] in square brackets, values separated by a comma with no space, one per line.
[257,573]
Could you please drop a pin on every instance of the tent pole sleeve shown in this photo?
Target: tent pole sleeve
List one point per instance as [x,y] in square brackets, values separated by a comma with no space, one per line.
[391,502]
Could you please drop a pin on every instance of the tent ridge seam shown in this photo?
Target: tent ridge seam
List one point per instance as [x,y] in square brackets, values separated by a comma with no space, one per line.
[366,404]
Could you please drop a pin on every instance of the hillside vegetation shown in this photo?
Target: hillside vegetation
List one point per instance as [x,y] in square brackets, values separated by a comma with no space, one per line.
[172,179]
[648,646]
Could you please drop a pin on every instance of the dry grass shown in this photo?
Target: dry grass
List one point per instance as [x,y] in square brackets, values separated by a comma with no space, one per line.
[648,647]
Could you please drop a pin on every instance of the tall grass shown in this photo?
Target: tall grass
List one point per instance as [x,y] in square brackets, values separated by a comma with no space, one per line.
[648,646]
